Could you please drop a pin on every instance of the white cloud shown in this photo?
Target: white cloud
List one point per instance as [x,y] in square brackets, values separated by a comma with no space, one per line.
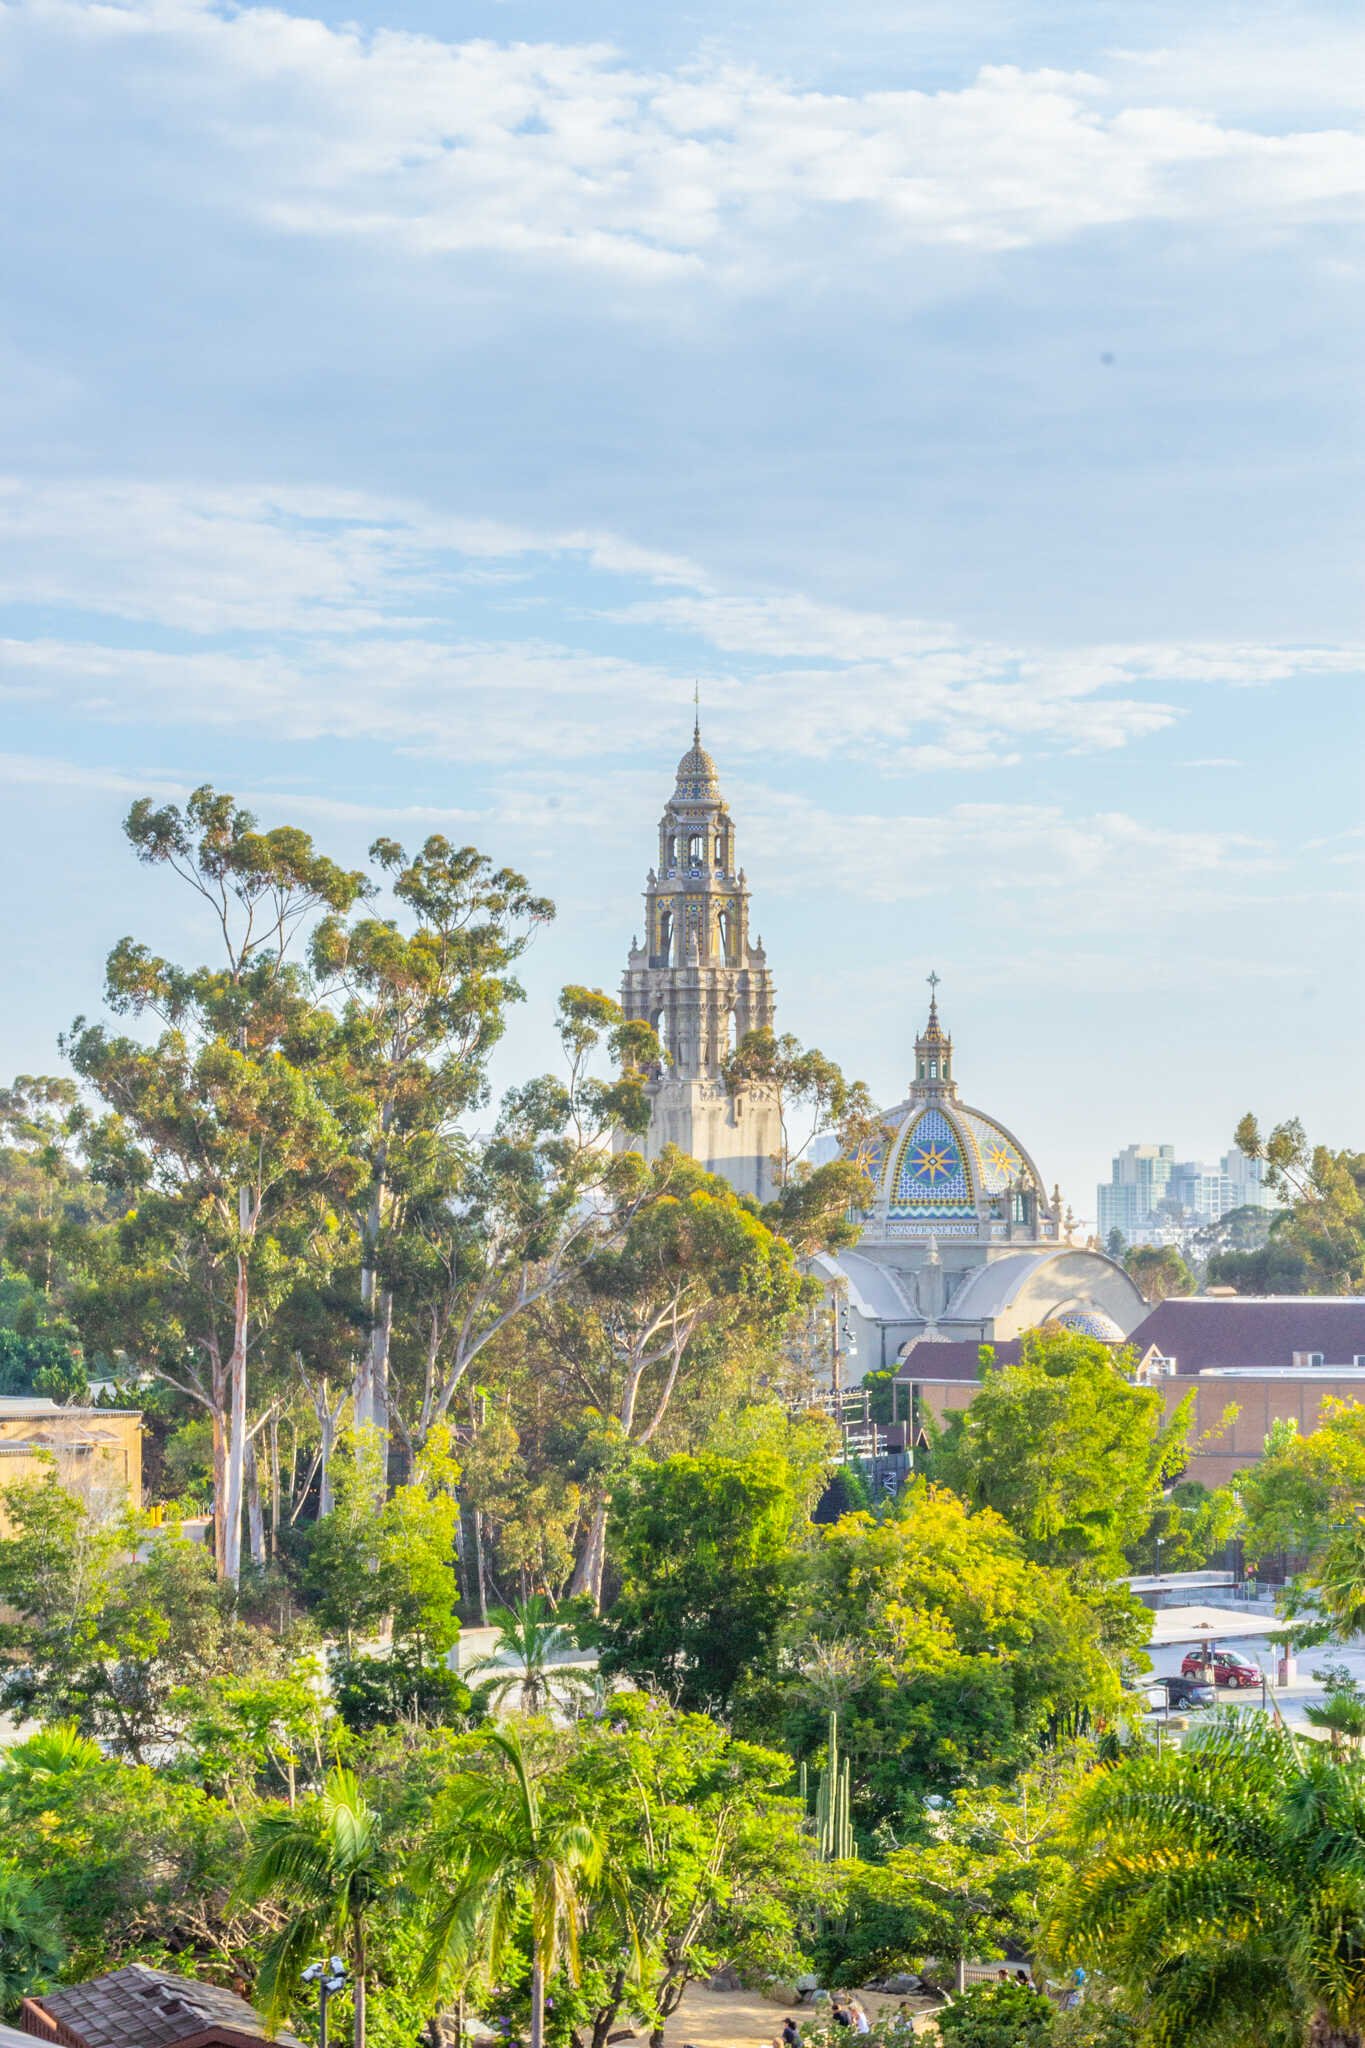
[319,614]
[1040,852]
[566,151]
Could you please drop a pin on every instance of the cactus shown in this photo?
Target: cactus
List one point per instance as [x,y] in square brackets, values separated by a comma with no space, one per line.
[833,1801]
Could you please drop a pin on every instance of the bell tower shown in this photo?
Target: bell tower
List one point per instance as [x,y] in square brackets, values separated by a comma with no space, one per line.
[702,984]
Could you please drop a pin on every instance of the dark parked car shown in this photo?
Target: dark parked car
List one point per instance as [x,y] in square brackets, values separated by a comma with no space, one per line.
[1187,1692]
[1227,1669]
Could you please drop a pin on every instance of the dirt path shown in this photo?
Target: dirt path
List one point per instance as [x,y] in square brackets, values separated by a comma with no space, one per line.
[745,2019]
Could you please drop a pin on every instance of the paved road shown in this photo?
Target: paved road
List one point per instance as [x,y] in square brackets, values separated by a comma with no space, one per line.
[1264,1652]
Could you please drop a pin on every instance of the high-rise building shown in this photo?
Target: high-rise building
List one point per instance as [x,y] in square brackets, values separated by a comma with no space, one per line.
[1138,1185]
[1153,1196]
[702,983]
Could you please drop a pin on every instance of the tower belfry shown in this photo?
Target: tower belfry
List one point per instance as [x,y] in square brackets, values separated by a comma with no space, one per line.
[702,983]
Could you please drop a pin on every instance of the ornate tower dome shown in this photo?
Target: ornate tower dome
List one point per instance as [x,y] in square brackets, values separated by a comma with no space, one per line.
[949,1171]
[698,781]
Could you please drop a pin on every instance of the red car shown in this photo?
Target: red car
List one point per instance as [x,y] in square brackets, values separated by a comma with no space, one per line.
[1227,1669]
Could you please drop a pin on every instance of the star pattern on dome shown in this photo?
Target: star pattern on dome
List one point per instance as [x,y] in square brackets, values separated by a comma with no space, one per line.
[928,1162]
[930,1166]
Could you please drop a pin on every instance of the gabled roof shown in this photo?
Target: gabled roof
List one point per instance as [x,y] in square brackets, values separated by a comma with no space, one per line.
[138,2007]
[1205,1331]
[952,1358]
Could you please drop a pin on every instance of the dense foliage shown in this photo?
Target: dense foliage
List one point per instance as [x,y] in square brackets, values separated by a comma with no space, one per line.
[411,1363]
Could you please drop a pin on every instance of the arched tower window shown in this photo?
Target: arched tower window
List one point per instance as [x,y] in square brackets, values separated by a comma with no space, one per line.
[696,849]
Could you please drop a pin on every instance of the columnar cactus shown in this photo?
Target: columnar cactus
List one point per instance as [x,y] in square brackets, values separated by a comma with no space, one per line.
[833,1801]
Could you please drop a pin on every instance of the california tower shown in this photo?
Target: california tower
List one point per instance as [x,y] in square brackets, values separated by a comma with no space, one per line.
[702,984]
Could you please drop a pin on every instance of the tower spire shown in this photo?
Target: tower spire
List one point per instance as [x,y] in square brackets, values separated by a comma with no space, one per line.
[934,1051]
[696,714]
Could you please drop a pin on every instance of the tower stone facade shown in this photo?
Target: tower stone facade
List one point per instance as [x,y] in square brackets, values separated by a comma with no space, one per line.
[702,984]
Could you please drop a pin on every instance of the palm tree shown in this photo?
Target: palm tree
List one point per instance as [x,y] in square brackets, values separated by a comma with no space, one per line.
[31,1949]
[507,1856]
[1222,1886]
[326,1861]
[529,1635]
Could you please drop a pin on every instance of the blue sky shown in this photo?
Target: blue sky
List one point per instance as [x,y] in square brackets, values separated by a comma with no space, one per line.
[400,407]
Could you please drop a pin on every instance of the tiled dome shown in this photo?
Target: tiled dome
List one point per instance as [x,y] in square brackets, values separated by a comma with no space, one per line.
[697,772]
[1091,1322]
[946,1158]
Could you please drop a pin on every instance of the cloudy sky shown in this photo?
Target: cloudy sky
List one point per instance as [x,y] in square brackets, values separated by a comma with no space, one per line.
[402,404]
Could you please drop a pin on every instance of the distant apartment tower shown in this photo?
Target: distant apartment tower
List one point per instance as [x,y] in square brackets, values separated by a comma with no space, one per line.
[1129,1200]
[1151,1192]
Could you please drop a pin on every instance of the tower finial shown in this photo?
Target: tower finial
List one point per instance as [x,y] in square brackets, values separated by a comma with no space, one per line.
[933,981]
[696,714]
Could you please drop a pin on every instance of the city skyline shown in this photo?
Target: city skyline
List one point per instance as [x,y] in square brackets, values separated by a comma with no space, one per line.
[402,415]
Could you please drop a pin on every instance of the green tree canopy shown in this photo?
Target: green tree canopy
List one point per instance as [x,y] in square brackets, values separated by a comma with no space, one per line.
[1159,1271]
[1068,1451]
[104,1626]
[1317,1242]
[703,1547]
[1305,1484]
[953,1652]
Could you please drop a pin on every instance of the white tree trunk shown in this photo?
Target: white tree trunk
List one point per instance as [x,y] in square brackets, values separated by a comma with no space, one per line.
[236,1432]
[255,1520]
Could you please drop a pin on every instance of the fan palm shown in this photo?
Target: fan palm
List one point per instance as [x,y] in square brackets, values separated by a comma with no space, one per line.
[507,1857]
[524,1656]
[1223,1887]
[326,1862]
[31,1948]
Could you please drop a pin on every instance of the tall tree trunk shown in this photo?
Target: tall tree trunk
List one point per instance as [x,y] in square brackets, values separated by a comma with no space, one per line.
[219,1478]
[372,1372]
[381,1337]
[255,1520]
[274,1428]
[587,1572]
[537,2005]
[480,1572]
[327,1434]
[358,1961]
[236,1442]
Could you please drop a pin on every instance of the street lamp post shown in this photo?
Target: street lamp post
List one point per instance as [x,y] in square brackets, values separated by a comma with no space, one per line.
[330,1977]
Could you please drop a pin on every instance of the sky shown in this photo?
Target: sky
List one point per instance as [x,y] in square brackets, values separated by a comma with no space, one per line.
[403,408]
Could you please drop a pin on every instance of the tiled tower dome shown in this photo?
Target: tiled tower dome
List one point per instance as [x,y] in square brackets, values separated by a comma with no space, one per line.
[949,1170]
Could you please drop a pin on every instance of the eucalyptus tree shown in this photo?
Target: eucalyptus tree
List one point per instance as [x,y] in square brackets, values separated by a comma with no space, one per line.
[219,1133]
[533,1204]
[424,1008]
[690,1267]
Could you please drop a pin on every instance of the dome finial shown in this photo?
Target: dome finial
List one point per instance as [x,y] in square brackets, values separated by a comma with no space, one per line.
[933,980]
[696,713]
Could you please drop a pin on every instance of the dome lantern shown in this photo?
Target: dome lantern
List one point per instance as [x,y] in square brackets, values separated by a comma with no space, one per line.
[934,1053]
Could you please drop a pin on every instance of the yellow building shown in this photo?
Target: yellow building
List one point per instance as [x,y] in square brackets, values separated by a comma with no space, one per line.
[98,1450]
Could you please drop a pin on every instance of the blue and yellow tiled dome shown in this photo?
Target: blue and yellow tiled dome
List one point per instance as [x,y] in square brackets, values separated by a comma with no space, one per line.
[946,1169]
[946,1158]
